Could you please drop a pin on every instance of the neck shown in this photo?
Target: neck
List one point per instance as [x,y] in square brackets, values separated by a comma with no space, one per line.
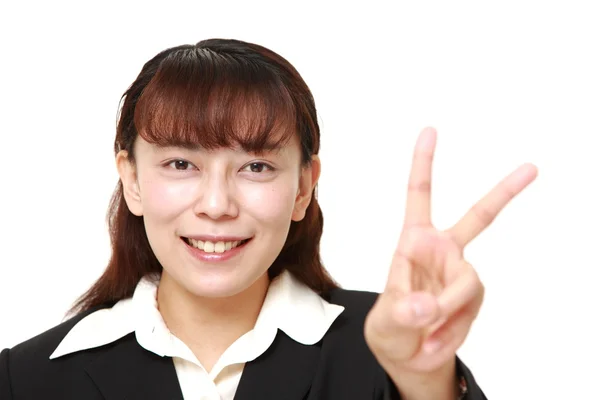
[208,326]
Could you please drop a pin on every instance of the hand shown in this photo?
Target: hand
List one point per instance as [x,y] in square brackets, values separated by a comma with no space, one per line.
[432,295]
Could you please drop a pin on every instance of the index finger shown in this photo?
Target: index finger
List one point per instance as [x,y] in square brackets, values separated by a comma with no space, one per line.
[418,200]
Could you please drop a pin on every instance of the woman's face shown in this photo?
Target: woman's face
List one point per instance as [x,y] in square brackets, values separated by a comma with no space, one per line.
[216,220]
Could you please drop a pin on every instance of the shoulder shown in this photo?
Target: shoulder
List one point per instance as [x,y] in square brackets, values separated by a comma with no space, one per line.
[349,326]
[43,344]
[347,331]
[356,303]
[26,369]
[34,354]
[345,345]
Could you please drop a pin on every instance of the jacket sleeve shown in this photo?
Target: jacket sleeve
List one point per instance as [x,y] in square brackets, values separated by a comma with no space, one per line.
[465,380]
[5,388]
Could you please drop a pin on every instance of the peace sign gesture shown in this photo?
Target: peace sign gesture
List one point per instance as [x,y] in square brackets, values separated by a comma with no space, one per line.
[432,294]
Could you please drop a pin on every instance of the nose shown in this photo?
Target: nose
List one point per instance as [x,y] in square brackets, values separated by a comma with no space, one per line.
[216,199]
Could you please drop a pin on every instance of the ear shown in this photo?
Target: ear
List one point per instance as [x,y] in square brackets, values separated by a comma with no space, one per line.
[308,181]
[131,188]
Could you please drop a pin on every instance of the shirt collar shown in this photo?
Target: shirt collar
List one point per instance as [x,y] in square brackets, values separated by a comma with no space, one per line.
[289,306]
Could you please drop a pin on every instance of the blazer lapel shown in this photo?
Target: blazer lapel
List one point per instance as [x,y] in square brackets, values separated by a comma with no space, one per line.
[284,371]
[127,371]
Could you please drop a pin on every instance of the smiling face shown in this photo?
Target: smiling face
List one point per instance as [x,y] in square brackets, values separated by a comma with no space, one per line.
[216,219]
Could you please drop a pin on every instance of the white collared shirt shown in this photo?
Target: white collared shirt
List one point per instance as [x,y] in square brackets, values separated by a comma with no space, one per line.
[289,305]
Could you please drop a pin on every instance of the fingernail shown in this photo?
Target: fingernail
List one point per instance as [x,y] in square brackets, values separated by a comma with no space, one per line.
[427,138]
[418,310]
[421,311]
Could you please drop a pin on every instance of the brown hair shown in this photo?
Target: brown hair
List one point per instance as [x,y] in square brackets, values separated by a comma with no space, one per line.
[217,93]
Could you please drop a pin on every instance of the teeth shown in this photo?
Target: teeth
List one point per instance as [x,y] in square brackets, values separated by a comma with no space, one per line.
[210,247]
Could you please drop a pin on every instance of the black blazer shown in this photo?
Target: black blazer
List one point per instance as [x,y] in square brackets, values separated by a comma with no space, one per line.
[339,367]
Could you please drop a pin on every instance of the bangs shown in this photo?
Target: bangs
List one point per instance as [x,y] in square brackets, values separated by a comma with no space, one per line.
[202,99]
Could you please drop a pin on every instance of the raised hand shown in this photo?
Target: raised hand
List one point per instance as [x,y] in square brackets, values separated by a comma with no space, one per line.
[432,295]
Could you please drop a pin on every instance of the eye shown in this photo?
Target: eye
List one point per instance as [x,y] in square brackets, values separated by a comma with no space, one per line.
[181,165]
[258,167]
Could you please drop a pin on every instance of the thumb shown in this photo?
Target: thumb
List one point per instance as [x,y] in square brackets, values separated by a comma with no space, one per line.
[395,326]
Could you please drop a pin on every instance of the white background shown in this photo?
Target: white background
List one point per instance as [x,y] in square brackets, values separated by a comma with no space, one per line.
[504,83]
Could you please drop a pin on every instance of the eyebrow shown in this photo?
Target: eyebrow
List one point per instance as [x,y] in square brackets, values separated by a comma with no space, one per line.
[269,148]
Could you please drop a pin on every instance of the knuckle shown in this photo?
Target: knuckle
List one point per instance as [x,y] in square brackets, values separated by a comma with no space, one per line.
[475,279]
[509,192]
[420,186]
[484,214]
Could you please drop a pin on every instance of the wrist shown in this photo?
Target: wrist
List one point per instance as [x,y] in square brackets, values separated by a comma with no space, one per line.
[441,384]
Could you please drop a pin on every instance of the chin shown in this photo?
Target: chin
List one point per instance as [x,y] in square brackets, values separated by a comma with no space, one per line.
[220,285]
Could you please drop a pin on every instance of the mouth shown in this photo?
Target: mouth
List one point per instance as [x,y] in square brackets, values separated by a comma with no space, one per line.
[214,247]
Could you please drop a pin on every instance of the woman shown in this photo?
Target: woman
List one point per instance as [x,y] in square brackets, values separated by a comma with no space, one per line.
[215,288]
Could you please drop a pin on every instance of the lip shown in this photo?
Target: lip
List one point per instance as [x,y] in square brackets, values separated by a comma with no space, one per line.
[216,238]
[214,257]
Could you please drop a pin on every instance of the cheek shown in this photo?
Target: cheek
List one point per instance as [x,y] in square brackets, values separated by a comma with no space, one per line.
[271,203]
[164,201]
